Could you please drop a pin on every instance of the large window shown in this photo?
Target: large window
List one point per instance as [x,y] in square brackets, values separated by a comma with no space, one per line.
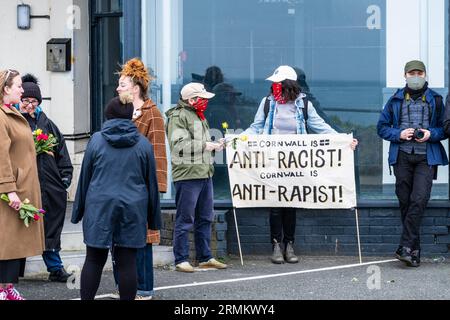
[339,48]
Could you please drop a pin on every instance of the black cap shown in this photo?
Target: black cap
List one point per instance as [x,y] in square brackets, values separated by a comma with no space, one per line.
[117,110]
[31,88]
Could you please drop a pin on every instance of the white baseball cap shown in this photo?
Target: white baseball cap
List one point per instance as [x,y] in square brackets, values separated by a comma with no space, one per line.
[193,90]
[283,73]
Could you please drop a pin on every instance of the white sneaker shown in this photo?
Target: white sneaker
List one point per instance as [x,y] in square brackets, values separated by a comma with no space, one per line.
[3,295]
[184,267]
[115,295]
[139,297]
[212,263]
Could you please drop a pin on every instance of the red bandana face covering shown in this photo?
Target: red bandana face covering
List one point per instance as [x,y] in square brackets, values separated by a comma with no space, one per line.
[277,89]
[200,107]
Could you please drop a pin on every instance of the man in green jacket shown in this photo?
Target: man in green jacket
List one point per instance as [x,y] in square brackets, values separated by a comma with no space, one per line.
[192,170]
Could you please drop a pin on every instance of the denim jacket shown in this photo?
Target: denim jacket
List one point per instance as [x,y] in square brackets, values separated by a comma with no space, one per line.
[263,125]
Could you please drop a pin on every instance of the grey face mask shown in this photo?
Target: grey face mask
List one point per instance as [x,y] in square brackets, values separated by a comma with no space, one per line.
[416,83]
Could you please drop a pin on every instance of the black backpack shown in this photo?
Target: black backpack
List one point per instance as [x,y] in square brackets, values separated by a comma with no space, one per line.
[305,110]
[439,105]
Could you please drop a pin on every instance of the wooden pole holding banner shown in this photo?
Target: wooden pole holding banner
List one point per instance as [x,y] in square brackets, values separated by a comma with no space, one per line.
[359,238]
[238,236]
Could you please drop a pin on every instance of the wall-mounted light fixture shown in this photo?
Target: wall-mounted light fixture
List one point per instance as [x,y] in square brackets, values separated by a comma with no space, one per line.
[24,16]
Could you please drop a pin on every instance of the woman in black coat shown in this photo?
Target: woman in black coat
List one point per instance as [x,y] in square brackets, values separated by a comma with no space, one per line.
[117,197]
[55,175]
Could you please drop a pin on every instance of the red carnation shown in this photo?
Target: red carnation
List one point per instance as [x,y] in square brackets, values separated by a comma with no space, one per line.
[41,137]
[36,217]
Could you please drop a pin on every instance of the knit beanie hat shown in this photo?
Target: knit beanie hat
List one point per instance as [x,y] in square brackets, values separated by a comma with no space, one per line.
[31,88]
[118,110]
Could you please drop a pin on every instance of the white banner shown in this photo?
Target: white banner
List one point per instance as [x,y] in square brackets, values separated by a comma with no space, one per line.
[292,171]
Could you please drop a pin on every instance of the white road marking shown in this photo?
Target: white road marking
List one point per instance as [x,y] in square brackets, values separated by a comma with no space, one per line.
[197,284]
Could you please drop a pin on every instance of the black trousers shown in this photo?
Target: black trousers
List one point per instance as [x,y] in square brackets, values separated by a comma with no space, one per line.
[12,270]
[91,274]
[282,224]
[414,179]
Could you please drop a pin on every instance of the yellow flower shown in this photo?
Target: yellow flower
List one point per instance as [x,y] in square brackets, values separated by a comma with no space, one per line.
[38,132]
[225,125]
[244,138]
[26,201]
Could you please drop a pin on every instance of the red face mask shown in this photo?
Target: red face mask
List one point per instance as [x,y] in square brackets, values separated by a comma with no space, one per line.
[200,107]
[277,89]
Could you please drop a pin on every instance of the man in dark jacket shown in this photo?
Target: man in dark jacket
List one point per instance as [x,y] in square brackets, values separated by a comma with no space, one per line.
[412,121]
[55,175]
[117,197]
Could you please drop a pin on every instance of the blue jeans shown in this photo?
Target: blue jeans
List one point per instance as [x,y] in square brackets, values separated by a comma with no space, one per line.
[195,208]
[52,260]
[144,264]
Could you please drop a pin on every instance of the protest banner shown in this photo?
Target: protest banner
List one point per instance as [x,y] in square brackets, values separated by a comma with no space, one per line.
[293,171]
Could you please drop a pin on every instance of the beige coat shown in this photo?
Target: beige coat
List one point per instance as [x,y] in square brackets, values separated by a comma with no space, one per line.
[18,173]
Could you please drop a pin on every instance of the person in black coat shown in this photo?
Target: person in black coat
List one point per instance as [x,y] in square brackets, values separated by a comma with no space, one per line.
[55,175]
[117,197]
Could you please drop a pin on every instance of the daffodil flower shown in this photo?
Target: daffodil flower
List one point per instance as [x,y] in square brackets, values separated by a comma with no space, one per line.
[244,138]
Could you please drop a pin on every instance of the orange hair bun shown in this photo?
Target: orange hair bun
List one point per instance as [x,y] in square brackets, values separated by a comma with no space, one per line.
[136,70]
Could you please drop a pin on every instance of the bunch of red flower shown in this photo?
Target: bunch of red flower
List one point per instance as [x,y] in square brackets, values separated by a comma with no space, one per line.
[44,143]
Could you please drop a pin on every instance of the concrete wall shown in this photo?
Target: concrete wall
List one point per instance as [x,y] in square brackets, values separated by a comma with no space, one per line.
[69,107]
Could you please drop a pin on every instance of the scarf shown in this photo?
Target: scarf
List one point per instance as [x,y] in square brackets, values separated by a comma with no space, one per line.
[415,94]
[200,107]
[277,89]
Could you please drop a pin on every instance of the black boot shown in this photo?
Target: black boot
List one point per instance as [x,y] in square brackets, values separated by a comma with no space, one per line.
[415,258]
[277,256]
[404,254]
[60,275]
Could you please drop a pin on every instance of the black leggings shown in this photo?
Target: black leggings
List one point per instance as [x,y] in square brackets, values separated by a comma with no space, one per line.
[125,259]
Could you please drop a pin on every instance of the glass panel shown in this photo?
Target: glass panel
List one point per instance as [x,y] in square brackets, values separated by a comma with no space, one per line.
[339,48]
[108,6]
[341,58]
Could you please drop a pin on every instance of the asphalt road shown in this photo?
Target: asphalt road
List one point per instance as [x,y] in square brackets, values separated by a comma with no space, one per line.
[314,278]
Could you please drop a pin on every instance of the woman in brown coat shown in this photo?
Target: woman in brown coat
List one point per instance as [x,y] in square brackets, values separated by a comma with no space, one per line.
[133,85]
[19,180]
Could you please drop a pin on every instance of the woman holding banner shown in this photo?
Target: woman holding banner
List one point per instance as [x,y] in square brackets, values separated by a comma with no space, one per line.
[287,111]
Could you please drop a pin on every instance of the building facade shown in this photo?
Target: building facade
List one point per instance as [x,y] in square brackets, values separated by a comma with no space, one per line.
[351,54]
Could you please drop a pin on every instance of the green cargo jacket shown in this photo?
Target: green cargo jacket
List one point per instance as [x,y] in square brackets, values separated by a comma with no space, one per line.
[187,136]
